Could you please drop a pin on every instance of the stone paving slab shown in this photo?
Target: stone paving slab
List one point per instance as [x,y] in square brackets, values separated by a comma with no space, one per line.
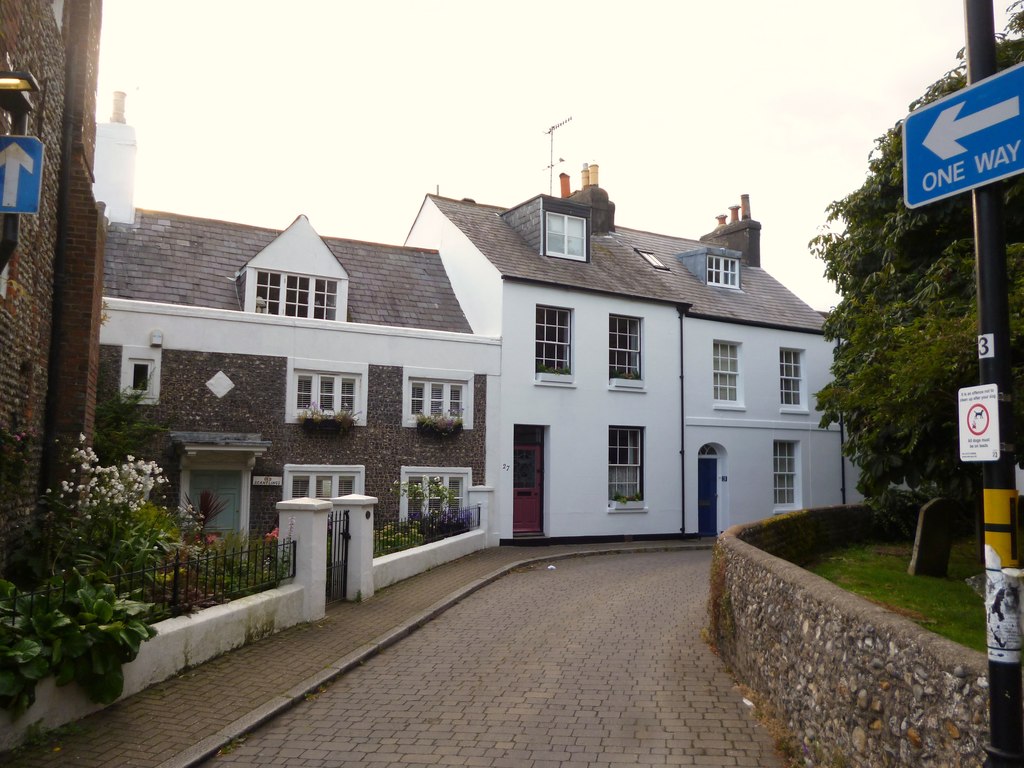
[597,662]
[182,720]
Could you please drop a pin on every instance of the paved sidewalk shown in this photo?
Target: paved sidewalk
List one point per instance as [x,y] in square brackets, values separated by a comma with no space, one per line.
[185,719]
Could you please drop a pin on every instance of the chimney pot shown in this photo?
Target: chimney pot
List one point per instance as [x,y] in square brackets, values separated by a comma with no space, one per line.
[593,175]
[745,206]
[721,219]
[117,116]
[585,176]
[734,213]
[563,178]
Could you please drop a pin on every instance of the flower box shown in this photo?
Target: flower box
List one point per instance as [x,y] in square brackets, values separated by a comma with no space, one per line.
[331,422]
[323,425]
[627,506]
[437,425]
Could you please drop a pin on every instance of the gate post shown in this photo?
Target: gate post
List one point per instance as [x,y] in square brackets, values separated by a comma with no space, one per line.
[306,521]
[360,546]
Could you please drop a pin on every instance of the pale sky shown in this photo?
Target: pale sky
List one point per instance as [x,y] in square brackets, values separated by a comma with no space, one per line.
[257,111]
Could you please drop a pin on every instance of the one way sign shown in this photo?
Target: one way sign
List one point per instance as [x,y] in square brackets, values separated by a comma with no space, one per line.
[21,174]
[965,140]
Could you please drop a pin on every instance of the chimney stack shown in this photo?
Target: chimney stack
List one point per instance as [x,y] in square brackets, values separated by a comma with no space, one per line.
[602,210]
[593,175]
[741,233]
[563,178]
[117,116]
[720,218]
[585,177]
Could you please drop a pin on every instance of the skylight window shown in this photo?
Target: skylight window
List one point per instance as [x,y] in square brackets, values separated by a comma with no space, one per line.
[651,259]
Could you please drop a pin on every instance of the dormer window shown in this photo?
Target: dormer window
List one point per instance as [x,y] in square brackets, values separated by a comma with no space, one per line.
[566,236]
[296,295]
[723,271]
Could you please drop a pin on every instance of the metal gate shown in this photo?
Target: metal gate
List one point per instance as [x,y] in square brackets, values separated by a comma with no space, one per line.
[337,554]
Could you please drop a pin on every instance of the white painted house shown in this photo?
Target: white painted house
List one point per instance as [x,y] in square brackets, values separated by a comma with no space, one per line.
[651,385]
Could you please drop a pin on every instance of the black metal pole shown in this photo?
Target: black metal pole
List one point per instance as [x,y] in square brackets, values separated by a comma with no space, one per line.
[995,367]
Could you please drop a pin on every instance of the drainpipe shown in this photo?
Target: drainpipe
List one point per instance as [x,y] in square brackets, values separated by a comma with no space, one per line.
[48,459]
[681,309]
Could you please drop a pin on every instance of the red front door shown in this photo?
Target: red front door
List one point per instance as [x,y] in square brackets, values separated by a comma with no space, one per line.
[526,487]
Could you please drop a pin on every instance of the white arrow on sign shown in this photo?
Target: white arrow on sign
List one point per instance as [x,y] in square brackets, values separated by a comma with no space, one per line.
[13,158]
[942,138]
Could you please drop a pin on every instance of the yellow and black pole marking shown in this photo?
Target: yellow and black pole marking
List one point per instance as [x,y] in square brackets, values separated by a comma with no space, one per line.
[1003,525]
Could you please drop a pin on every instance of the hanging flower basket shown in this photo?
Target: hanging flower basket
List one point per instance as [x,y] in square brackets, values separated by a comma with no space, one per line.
[438,425]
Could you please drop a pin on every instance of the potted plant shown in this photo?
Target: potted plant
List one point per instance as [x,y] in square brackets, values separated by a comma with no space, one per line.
[438,424]
[624,503]
[316,419]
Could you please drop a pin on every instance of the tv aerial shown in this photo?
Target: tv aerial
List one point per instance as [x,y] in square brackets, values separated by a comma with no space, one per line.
[551,160]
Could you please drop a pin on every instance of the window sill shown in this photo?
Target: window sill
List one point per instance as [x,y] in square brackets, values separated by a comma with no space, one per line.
[625,507]
[795,410]
[627,384]
[729,407]
[554,378]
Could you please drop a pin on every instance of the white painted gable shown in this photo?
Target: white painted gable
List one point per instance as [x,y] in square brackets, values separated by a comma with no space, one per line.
[300,250]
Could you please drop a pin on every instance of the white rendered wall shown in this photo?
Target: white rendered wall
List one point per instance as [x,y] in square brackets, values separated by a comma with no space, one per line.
[744,436]
[115,170]
[577,416]
[474,279]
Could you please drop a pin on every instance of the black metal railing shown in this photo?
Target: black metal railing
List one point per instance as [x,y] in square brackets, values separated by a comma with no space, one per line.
[395,535]
[338,537]
[184,581]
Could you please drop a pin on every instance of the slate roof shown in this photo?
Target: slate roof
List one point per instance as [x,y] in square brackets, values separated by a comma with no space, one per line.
[176,259]
[615,267]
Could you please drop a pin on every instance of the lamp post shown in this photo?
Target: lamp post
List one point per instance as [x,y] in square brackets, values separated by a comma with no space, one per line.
[15,88]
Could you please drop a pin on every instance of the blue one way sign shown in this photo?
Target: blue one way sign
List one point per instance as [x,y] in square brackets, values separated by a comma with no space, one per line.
[965,140]
[21,174]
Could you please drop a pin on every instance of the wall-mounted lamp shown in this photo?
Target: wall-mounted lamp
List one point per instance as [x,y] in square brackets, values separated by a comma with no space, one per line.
[15,88]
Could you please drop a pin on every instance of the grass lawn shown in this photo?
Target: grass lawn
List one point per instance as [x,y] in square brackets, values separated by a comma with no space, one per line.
[878,572]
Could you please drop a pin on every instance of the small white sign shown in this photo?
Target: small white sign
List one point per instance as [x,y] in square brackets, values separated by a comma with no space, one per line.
[986,345]
[979,423]
[267,480]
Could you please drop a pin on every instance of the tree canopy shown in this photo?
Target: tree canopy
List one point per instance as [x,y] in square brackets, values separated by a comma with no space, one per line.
[906,325]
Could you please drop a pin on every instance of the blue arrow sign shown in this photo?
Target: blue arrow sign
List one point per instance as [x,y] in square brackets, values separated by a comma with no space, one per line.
[21,174]
[965,140]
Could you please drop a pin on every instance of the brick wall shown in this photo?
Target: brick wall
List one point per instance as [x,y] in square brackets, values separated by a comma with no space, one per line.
[257,404]
[32,39]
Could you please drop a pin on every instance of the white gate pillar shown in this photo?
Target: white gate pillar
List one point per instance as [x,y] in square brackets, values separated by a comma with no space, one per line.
[306,521]
[360,546]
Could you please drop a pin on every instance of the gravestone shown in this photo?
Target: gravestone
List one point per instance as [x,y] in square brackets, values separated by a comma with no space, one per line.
[934,538]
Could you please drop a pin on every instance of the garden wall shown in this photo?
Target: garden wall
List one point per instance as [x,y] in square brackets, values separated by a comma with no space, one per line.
[858,684]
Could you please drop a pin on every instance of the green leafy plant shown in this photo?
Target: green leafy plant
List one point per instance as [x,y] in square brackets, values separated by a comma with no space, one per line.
[14,454]
[427,493]
[622,498]
[122,427]
[623,373]
[541,368]
[77,631]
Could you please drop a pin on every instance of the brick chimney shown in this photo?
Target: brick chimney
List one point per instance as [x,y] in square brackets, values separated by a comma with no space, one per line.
[741,233]
[563,179]
[602,209]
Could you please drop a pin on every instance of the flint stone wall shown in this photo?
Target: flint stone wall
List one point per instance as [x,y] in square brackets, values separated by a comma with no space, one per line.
[856,682]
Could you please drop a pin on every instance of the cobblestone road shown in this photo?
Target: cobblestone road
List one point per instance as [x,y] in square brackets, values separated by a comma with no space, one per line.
[597,662]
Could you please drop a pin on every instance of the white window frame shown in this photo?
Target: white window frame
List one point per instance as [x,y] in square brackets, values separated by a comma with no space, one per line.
[465,474]
[132,356]
[723,271]
[565,252]
[631,461]
[786,475]
[544,344]
[633,351]
[356,471]
[792,397]
[320,368]
[291,287]
[726,378]
[445,378]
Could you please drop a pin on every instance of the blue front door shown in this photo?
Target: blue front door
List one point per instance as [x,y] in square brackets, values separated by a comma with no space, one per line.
[707,496]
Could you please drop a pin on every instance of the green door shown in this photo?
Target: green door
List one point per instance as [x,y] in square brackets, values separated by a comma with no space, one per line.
[226,486]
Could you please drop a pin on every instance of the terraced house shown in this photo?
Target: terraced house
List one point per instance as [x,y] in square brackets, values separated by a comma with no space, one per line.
[652,385]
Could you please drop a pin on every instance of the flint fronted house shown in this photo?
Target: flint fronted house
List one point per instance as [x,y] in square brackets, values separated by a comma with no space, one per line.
[652,385]
[238,335]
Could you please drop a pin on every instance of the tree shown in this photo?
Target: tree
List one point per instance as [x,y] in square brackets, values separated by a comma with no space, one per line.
[906,326]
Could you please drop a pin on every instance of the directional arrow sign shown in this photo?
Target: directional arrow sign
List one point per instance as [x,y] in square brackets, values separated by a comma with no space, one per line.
[21,174]
[970,138]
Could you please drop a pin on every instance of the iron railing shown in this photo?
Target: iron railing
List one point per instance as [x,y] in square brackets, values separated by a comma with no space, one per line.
[422,528]
[181,583]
